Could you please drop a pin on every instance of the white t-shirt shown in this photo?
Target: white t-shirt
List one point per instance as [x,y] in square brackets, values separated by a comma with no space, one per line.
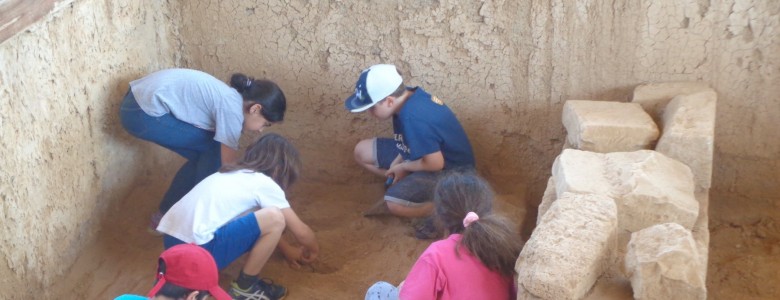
[217,200]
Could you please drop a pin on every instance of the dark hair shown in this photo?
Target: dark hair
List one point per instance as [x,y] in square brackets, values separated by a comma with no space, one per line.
[174,291]
[263,92]
[493,239]
[272,155]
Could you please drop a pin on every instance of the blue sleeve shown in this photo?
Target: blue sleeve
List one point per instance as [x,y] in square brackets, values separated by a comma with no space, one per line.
[420,138]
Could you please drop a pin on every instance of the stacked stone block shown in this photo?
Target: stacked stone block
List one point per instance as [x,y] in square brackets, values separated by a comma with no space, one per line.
[551,267]
[663,263]
[689,131]
[655,164]
[601,126]
[649,188]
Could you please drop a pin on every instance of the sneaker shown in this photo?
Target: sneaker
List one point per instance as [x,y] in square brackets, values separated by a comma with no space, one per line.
[427,230]
[153,222]
[263,289]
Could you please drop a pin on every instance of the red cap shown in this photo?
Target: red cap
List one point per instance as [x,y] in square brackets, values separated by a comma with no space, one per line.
[192,267]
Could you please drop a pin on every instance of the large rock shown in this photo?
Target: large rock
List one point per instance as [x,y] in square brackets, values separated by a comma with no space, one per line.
[570,248]
[689,132]
[663,262]
[547,199]
[604,126]
[576,171]
[654,96]
[648,187]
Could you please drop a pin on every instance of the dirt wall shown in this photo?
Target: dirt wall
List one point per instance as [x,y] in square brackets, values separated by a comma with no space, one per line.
[505,67]
[65,159]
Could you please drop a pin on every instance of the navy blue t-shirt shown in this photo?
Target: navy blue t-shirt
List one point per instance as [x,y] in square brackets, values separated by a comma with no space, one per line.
[425,125]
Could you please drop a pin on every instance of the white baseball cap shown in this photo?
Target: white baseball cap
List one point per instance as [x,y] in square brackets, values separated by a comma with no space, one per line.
[374,85]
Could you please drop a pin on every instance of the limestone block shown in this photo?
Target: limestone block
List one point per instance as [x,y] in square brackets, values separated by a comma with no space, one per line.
[648,187]
[576,171]
[604,126]
[653,189]
[547,199]
[701,230]
[570,248]
[689,132]
[664,263]
[654,96]
[523,294]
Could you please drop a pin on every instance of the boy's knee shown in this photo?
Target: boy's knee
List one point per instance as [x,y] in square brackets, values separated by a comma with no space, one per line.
[272,219]
[364,151]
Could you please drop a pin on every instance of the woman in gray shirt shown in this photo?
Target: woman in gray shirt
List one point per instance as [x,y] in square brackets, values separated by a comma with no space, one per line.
[199,117]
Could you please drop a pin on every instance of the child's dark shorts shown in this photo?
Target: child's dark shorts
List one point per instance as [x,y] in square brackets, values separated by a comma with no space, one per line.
[413,190]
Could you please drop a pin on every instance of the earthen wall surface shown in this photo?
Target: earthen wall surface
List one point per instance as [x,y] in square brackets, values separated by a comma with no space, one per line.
[505,68]
[65,158]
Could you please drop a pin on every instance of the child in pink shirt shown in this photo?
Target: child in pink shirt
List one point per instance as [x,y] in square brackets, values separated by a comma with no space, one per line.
[475,262]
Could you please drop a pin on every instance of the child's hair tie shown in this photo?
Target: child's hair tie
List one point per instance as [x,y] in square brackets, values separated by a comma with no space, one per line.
[248,82]
[471,217]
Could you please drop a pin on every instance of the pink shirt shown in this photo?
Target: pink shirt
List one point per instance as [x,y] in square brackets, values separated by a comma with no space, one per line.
[440,274]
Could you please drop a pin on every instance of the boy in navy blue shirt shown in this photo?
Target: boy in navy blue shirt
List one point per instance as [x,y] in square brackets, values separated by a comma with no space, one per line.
[428,138]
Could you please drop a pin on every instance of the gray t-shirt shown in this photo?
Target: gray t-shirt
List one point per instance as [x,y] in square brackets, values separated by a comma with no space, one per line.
[194,97]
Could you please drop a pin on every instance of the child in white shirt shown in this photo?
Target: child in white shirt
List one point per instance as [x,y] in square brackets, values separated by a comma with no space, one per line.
[241,209]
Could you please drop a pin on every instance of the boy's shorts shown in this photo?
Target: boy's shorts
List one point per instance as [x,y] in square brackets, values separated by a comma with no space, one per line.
[413,190]
[230,241]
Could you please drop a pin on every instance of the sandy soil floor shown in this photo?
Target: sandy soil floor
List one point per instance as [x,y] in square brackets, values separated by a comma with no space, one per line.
[357,251]
[744,260]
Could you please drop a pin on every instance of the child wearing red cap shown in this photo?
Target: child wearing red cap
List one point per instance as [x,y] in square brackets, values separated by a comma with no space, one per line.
[243,209]
[185,271]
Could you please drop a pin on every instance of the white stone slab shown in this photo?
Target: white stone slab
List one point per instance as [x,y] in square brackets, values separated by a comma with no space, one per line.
[652,189]
[547,199]
[689,133]
[576,171]
[570,248]
[663,262]
[648,187]
[605,126]
[654,96]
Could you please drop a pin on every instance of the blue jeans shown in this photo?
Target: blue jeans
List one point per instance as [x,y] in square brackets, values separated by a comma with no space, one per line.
[197,145]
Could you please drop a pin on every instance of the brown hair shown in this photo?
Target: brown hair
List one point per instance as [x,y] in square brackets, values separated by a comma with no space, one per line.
[398,91]
[272,155]
[493,239]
